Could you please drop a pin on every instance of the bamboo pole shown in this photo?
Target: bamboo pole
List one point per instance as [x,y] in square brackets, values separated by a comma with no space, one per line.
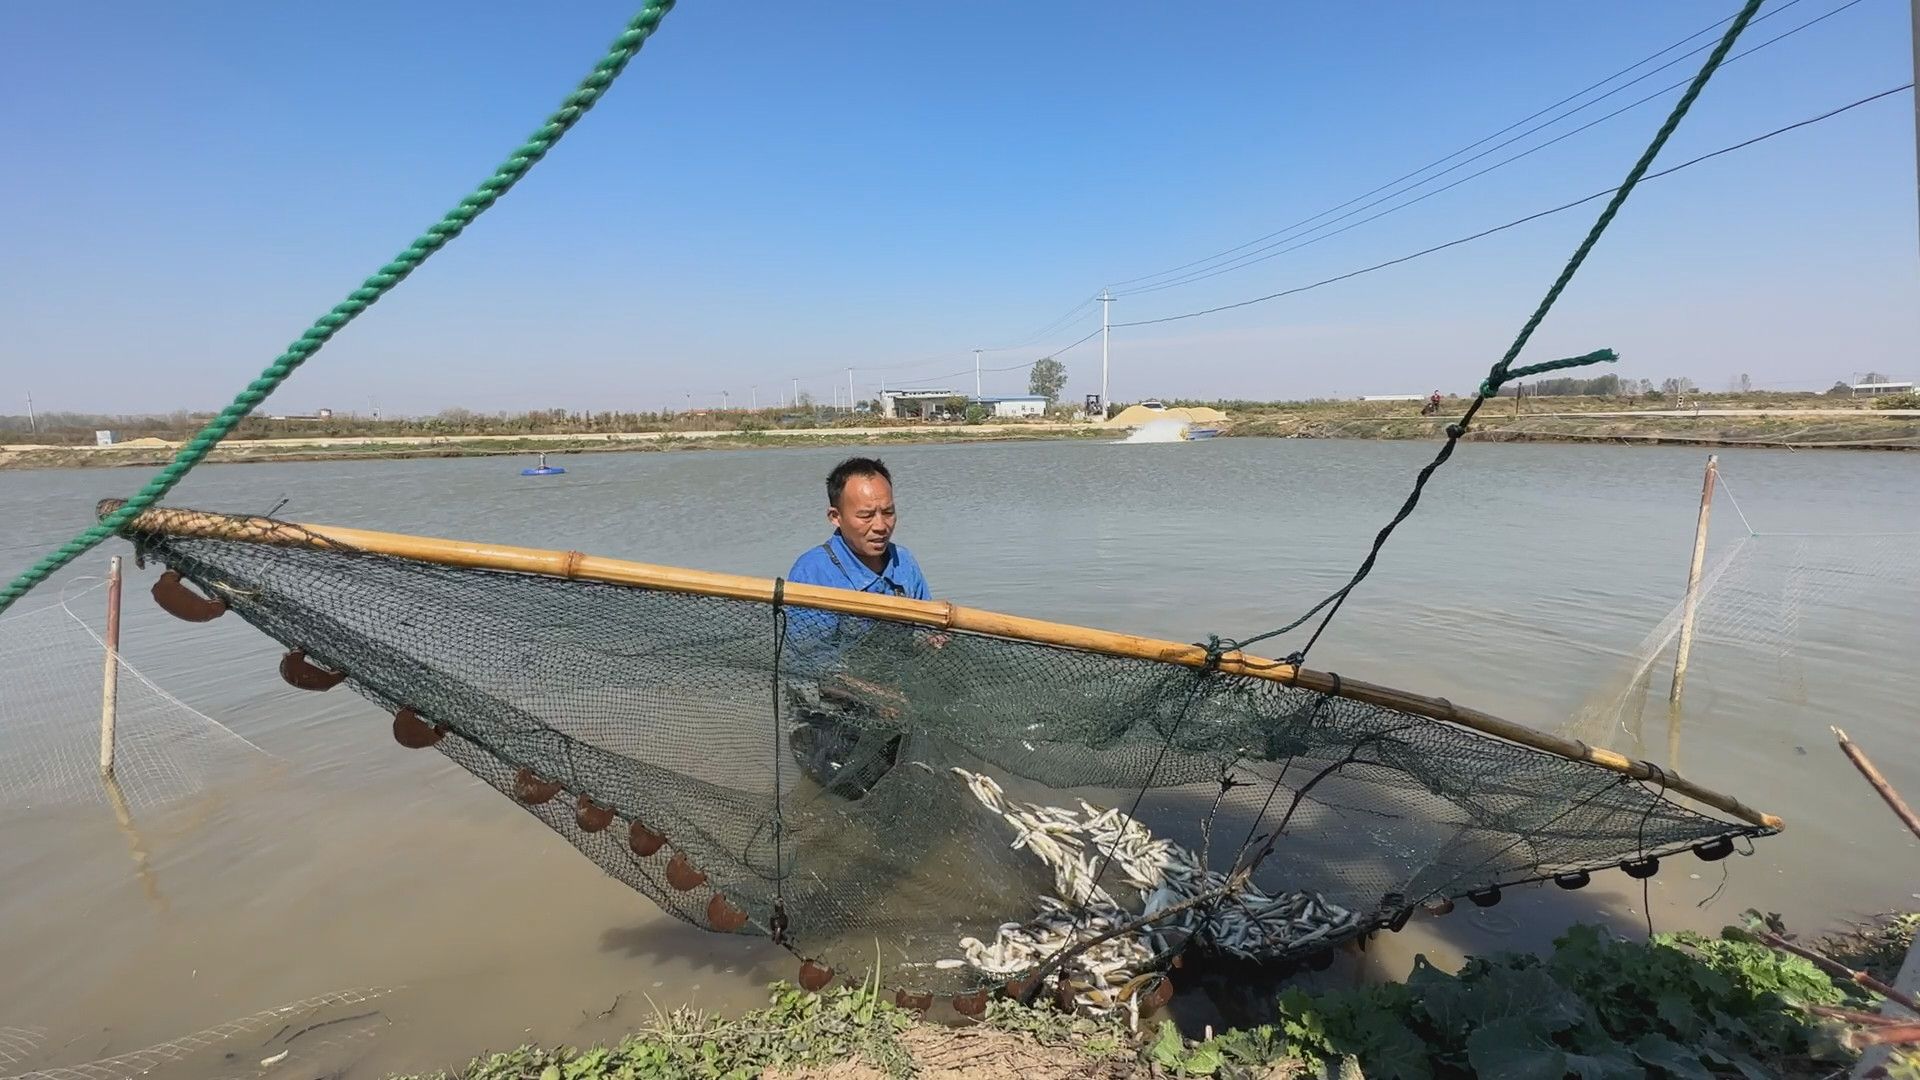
[1880,785]
[110,677]
[937,614]
[1693,578]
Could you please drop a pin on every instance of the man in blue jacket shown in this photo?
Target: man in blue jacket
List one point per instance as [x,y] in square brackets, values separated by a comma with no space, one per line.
[860,555]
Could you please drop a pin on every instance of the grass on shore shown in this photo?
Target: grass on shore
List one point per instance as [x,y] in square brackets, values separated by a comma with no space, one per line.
[1866,430]
[1681,1005]
[242,452]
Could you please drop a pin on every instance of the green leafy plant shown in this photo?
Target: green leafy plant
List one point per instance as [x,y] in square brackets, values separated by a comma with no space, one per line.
[1681,1005]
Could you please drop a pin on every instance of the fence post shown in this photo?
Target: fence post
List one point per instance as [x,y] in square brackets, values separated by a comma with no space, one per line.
[110,678]
[1693,578]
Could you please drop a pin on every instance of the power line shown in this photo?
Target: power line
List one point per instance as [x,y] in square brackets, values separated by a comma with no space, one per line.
[1067,319]
[1443,160]
[1517,221]
[1017,367]
[1256,255]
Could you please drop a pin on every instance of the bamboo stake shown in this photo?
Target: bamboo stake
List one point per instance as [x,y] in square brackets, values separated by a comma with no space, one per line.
[1693,578]
[1893,800]
[110,677]
[937,614]
[1837,969]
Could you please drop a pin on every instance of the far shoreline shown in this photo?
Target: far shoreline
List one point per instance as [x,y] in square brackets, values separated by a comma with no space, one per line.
[1787,429]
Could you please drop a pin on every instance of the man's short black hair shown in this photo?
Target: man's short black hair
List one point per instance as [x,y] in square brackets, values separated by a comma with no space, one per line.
[850,468]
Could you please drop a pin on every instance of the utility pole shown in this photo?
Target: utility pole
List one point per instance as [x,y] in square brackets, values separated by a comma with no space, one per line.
[1915,31]
[753,398]
[796,393]
[976,352]
[33,426]
[1106,305]
[849,390]
[723,401]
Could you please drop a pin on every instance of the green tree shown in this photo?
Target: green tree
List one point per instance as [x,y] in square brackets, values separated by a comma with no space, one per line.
[1048,378]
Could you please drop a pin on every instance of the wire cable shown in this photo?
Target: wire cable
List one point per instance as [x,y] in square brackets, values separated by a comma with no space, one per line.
[1470,146]
[1482,234]
[1264,253]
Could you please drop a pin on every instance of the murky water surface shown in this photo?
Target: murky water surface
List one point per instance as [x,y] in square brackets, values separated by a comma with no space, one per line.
[1523,586]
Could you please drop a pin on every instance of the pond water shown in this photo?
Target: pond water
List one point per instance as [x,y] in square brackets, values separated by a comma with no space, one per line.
[1525,586]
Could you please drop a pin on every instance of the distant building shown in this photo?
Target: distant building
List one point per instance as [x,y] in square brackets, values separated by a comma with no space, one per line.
[1012,408]
[924,404]
[1391,397]
[1875,389]
[944,404]
[320,414]
[105,438]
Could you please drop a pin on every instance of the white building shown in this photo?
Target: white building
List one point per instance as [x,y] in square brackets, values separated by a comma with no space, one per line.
[945,404]
[1012,408]
[910,403]
[1875,389]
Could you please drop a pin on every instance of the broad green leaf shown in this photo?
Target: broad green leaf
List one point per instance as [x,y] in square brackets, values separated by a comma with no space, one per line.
[1204,1061]
[1169,1050]
[1615,1064]
[1504,993]
[1677,1012]
[1388,1050]
[1425,976]
[1662,1052]
[1515,1049]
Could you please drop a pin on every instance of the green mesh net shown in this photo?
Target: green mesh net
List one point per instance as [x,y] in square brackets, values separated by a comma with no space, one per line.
[960,808]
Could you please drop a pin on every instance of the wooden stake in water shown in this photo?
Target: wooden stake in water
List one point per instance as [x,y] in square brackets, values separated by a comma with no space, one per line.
[110,679]
[1693,578]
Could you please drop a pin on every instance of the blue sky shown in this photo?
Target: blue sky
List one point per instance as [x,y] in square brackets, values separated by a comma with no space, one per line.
[780,191]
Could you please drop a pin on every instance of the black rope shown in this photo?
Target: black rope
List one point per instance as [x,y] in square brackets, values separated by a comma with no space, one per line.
[1503,369]
[1216,648]
[777,925]
[1338,597]
[1646,883]
[1324,702]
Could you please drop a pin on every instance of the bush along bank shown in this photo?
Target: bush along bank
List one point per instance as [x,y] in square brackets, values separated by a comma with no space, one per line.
[1681,1005]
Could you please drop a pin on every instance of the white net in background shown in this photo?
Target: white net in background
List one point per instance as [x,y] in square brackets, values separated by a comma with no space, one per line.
[1766,603]
[53,658]
[313,1037]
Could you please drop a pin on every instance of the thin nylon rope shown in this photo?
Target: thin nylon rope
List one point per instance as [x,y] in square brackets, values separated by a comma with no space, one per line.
[1501,371]
[590,90]
[1728,488]
[1199,687]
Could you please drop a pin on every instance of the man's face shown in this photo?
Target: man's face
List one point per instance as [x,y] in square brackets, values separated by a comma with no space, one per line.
[864,515]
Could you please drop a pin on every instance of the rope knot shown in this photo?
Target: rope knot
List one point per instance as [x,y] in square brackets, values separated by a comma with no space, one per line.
[1217,647]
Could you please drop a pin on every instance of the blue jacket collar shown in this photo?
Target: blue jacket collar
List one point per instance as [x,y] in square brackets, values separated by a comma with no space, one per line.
[862,576]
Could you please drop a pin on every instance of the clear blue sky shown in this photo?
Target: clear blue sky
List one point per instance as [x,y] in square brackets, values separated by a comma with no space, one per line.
[785,190]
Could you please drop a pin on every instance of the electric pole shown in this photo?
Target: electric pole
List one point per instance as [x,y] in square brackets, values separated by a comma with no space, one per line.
[976,352]
[1106,305]
[33,426]
[753,399]
[849,390]
[796,393]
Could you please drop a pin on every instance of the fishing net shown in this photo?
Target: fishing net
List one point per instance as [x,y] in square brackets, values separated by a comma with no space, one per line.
[954,807]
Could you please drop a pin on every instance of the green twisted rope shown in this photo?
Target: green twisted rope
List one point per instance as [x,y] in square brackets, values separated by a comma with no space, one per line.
[590,90]
[1598,356]
[1502,369]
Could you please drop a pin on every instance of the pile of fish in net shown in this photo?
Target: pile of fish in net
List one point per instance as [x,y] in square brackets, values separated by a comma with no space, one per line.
[1109,976]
